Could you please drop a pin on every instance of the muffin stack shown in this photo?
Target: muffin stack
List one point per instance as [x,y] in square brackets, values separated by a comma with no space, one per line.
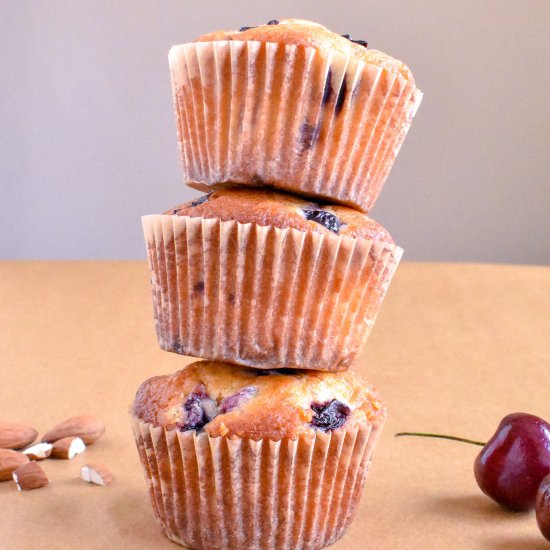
[275,278]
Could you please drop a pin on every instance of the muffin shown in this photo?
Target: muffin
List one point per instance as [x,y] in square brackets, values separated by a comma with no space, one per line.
[267,279]
[240,458]
[293,106]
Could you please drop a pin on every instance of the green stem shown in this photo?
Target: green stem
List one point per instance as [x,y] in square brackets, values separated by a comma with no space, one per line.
[440,436]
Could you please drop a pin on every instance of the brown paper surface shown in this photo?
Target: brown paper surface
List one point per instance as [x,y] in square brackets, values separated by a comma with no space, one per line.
[455,348]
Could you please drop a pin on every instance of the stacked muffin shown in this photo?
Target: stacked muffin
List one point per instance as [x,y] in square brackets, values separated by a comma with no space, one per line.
[275,278]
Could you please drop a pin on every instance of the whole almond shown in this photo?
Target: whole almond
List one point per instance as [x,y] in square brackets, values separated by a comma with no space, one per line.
[87,427]
[30,476]
[16,436]
[10,461]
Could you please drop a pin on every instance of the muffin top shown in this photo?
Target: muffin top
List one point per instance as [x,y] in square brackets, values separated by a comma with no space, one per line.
[266,207]
[313,35]
[228,400]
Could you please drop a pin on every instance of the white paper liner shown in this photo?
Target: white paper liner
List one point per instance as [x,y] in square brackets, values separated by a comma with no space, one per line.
[222,493]
[262,296]
[314,123]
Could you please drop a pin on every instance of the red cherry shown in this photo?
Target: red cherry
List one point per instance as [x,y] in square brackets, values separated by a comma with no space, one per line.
[514,461]
[512,464]
[543,507]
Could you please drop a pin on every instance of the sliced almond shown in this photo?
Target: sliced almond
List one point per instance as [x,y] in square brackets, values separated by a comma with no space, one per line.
[87,427]
[10,461]
[16,436]
[30,476]
[39,451]
[96,473]
[68,447]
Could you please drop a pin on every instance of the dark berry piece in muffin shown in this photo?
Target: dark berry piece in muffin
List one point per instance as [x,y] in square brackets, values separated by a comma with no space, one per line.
[309,134]
[341,96]
[273,22]
[330,415]
[327,92]
[237,399]
[326,219]
[201,200]
[199,409]
[199,287]
[359,42]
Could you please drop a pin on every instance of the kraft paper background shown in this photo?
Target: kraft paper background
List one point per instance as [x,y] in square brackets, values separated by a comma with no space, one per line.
[455,348]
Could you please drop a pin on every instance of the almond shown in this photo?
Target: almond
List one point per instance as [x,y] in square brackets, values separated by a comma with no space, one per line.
[68,447]
[30,476]
[38,451]
[87,427]
[10,461]
[96,474]
[16,436]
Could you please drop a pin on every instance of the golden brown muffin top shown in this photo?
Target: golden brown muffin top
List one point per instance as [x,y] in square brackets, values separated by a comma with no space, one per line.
[265,207]
[313,35]
[229,400]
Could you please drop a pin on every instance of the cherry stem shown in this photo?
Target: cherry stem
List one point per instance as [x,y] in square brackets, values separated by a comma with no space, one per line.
[440,436]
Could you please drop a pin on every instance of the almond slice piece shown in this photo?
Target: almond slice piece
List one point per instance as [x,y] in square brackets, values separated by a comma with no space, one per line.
[10,461]
[38,451]
[68,447]
[96,474]
[87,427]
[30,476]
[16,436]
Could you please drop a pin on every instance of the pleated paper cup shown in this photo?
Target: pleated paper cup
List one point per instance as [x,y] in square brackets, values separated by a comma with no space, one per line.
[314,123]
[262,296]
[221,493]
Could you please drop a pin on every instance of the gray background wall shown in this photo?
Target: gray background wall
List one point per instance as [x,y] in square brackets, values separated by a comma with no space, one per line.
[88,141]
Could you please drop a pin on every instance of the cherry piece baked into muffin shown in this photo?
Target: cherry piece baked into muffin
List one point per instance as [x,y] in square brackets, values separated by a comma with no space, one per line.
[267,279]
[291,105]
[242,458]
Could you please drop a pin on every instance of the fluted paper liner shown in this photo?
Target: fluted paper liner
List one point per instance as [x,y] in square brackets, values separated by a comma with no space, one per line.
[262,296]
[314,123]
[230,494]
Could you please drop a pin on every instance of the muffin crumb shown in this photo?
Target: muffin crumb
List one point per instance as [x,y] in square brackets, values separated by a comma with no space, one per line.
[228,400]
